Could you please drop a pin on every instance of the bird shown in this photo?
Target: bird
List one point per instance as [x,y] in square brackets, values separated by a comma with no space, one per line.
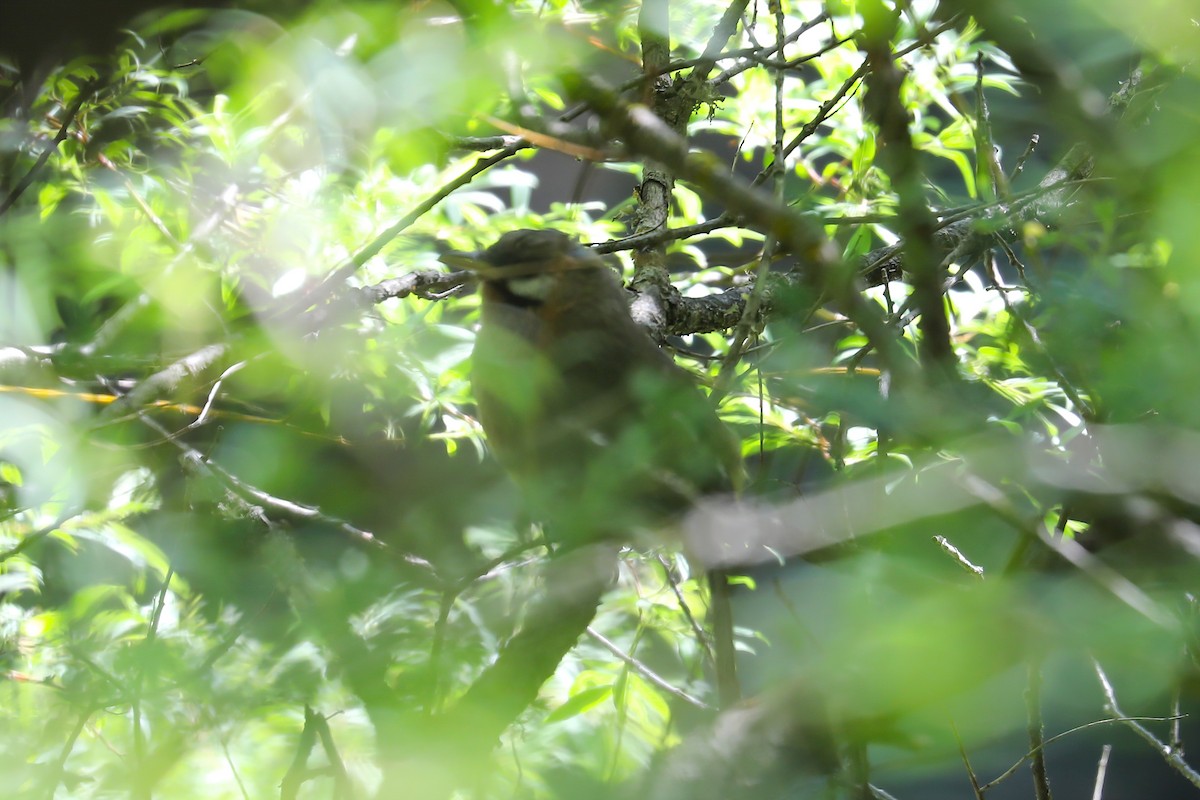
[606,436]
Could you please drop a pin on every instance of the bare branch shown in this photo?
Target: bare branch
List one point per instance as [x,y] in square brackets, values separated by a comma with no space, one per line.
[1034,726]
[421,570]
[85,92]
[1172,757]
[334,280]
[645,671]
[1101,770]
[969,237]
[485,143]
[898,156]
[297,773]
[721,35]
[164,381]
[646,135]
[422,283]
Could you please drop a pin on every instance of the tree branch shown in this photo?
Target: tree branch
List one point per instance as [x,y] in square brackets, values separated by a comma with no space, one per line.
[646,135]
[335,279]
[898,156]
[443,749]
[1172,757]
[85,91]
[969,237]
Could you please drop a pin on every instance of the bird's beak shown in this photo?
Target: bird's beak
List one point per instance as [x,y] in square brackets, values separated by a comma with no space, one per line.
[490,272]
[468,261]
[472,262]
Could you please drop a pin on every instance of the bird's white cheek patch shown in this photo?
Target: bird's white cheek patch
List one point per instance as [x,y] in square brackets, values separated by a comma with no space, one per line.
[535,287]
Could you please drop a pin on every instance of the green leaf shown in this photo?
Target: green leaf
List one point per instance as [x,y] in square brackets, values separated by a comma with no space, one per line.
[859,244]
[580,703]
[864,155]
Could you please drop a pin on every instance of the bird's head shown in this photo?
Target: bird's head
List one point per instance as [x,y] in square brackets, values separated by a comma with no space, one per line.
[527,267]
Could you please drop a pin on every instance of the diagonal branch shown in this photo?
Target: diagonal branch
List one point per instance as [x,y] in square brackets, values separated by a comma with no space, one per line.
[1173,757]
[897,154]
[646,135]
[86,91]
[721,35]
[264,506]
[970,237]
[333,282]
[441,749]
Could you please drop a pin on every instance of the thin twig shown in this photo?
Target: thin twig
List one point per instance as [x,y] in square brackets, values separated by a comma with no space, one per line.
[1176,738]
[1101,771]
[216,388]
[297,773]
[500,564]
[697,630]
[644,240]
[971,775]
[342,787]
[428,284]
[163,381]
[1172,757]
[750,312]
[237,778]
[1067,386]
[1034,726]
[351,265]
[645,671]
[1074,553]
[879,794]
[825,110]
[85,92]
[139,742]
[757,56]
[722,33]
[55,774]
[1020,165]
[33,537]
[289,509]
[1093,724]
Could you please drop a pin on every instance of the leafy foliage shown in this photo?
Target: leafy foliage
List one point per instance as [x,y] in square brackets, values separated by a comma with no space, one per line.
[250,533]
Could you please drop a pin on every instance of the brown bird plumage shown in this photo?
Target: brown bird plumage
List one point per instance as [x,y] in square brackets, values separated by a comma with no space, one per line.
[577,401]
[606,436]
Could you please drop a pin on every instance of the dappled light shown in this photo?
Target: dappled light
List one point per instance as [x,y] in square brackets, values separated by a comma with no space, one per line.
[563,398]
